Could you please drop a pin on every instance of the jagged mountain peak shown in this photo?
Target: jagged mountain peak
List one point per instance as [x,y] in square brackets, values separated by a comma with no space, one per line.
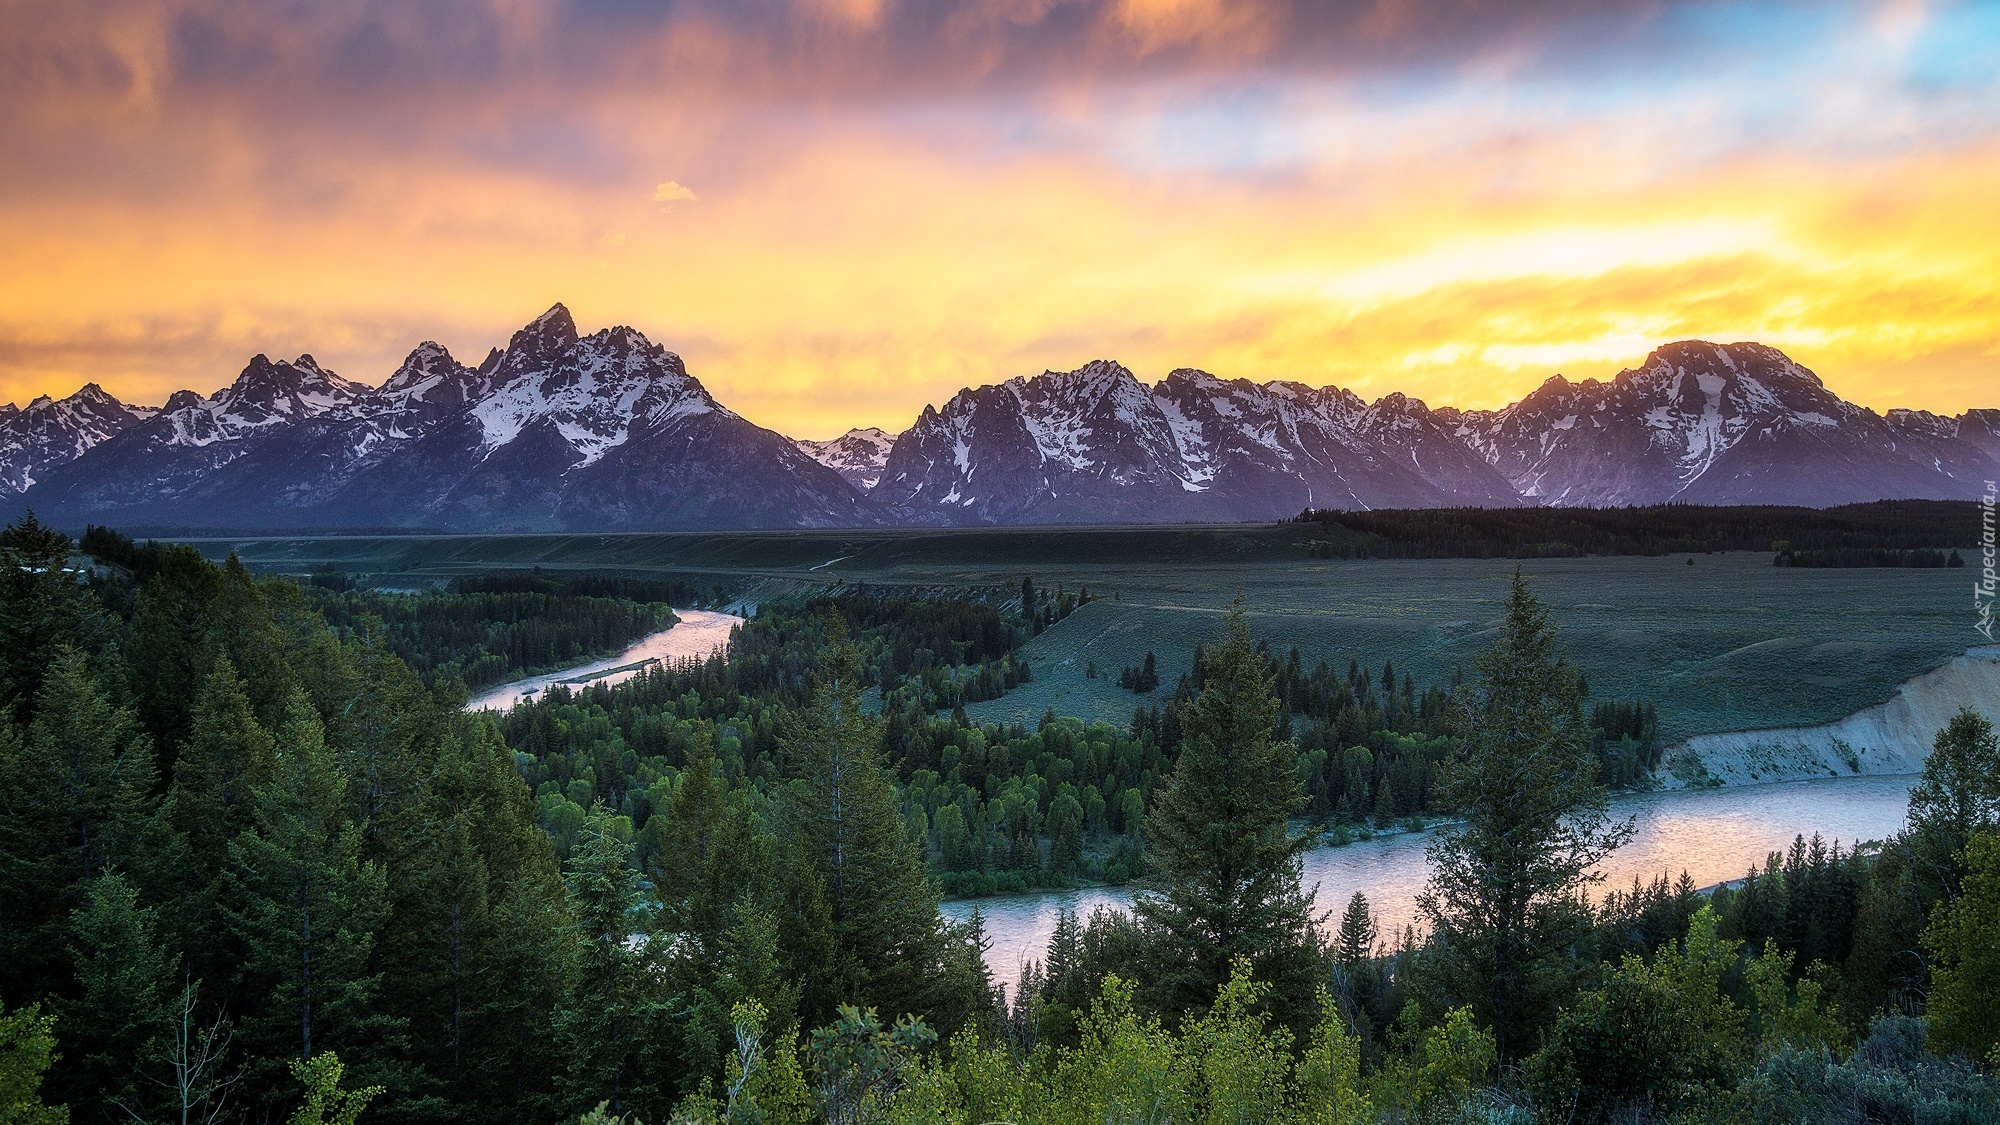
[561,430]
[538,343]
[51,432]
[426,362]
[301,388]
[1094,377]
[592,392]
[857,455]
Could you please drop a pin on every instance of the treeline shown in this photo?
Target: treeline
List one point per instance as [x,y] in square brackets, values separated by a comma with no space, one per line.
[481,630]
[1661,529]
[1920,558]
[479,638]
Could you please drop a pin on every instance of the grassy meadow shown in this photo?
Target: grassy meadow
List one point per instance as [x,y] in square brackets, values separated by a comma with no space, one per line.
[1728,643]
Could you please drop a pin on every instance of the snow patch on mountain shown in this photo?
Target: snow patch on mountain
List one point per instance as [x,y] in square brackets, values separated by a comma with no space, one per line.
[857,455]
[52,432]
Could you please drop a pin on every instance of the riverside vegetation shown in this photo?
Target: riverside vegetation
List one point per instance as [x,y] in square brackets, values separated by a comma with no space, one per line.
[254,868]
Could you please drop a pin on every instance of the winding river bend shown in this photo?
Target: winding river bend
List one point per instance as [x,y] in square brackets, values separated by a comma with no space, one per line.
[1712,834]
[699,633]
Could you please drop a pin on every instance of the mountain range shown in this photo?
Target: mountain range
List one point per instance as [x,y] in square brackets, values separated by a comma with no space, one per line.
[559,431]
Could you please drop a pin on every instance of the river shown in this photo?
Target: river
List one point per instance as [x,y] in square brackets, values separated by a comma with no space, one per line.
[699,633]
[1712,834]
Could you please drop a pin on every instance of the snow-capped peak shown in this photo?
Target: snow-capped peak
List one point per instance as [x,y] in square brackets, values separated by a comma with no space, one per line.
[593,390]
[857,455]
[52,432]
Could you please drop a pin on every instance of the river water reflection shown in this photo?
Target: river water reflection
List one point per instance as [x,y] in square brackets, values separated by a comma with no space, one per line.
[1712,834]
[700,633]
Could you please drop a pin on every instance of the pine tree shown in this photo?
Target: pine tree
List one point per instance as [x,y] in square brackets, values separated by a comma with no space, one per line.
[119,1023]
[709,864]
[305,907]
[1357,932]
[75,800]
[864,911]
[41,610]
[227,756]
[473,931]
[705,854]
[612,999]
[1502,899]
[1229,868]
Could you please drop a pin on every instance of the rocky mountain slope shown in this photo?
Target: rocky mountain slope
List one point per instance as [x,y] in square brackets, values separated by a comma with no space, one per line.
[857,455]
[559,431]
[1717,424]
[554,432]
[53,432]
[1095,445]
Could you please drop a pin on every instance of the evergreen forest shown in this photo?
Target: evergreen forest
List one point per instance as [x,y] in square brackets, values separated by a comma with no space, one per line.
[258,864]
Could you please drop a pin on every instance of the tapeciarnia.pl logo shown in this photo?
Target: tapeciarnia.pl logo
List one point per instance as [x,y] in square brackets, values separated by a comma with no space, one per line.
[1983,590]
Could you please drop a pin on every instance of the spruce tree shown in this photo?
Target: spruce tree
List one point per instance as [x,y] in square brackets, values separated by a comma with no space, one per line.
[705,854]
[863,910]
[612,1000]
[1356,940]
[226,758]
[118,1025]
[75,800]
[1229,868]
[304,908]
[1503,899]
[709,864]
[474,931]
[41,610]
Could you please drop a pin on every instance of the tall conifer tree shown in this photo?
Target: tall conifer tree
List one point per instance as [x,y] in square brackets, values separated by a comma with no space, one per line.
[1229,868]
[864,910]
[613,998]
[305,907]
[117,1026]
[75,801]
[1504,897]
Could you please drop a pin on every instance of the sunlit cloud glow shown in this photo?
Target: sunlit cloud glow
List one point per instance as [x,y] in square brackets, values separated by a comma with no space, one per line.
[896,199]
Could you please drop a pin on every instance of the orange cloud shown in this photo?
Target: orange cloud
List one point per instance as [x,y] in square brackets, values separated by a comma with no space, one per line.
[855,257]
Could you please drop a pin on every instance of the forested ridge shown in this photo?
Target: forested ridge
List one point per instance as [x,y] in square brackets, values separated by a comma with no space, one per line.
[478,630]
[1660,529]
[254,868]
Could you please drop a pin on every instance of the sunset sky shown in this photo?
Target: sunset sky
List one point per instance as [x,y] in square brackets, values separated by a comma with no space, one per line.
[839,211]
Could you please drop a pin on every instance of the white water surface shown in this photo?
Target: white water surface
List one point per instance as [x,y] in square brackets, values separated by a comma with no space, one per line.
[1712,834]
[699,633]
